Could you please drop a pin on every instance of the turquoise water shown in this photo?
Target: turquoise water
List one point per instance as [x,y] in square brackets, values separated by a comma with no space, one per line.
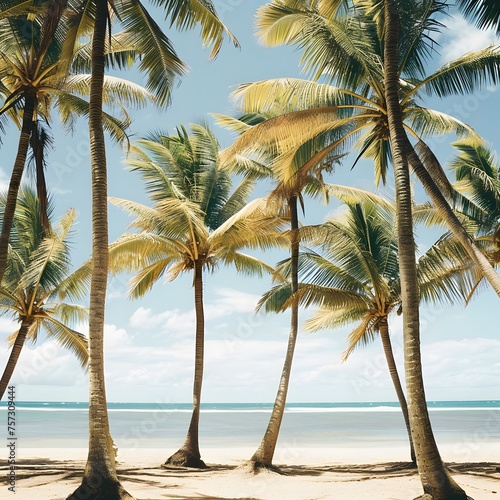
[155,425]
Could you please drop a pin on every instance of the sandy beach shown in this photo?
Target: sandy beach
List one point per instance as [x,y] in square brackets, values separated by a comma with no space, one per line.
[309,474]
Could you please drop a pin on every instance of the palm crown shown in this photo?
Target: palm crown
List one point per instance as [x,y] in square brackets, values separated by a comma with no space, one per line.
[346,52]
[37,275]
[195,216]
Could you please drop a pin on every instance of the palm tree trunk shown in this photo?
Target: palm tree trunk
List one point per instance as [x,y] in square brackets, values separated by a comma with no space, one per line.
[189,453]
[15,180]
[14,354]
[99,479]
[41,184]
[451,219]
[436,481]
[393,371]
[263,457]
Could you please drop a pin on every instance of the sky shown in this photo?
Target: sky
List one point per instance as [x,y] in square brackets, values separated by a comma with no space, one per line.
[149,343]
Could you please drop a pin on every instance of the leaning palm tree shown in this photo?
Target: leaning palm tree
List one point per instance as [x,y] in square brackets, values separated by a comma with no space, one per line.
[355,279]
[38,273]
[436,480]
[161,64]
[298,177]
[195,225]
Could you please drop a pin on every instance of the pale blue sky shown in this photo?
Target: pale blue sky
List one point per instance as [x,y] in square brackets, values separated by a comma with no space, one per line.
[150,343]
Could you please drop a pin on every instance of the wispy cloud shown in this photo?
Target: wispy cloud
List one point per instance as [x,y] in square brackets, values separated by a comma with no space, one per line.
[462,37]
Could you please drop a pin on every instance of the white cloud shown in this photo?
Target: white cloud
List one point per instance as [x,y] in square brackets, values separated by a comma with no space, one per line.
[462,37]
[173,321]
[229,302]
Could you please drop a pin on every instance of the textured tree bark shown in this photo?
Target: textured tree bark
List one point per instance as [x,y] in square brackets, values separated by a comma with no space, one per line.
[14,354]
[99,480]
[15,180]
[263,457]
[436,481]
[189,453]
[393,371]
[41,184]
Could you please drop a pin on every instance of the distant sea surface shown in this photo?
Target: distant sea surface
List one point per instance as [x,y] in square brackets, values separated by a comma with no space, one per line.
[226,425]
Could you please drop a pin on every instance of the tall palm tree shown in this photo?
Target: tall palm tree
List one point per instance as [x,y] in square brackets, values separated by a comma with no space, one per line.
[436,481]
[38,272]
[347,53]
[356,279]
[161,64]
[195,225]
[291,182]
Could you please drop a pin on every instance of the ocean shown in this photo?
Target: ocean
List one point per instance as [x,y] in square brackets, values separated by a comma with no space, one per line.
[226,425]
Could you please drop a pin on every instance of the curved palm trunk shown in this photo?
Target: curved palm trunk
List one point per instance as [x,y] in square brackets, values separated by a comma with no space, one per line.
[263,457]
[189,453]
[14,354]
[99,479]
[436,481]
[15,180]
[451,219]
[393,371]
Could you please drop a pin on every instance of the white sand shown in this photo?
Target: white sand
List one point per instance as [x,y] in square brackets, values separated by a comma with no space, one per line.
[311,474]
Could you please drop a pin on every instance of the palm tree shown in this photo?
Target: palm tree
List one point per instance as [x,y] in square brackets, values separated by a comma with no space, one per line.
[356,280]
[38,273]
[297,177]
[36,75]
[161,64]
[347,51]
[195,225]
[436,481]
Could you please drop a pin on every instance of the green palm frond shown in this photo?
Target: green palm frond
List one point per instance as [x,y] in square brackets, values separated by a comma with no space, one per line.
[71,107]
[445,273]
[246,264]
[67,338]
[68,314]
[292,94]
[426,122]
[466,74]
[158,57]
[131,252]
[186,14]
[363,334]
[330,46]
[486,13]
[115,90]
[334,318]
[144,280]
[171,218]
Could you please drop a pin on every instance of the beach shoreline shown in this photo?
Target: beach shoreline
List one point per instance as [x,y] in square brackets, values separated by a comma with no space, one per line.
[308,474]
